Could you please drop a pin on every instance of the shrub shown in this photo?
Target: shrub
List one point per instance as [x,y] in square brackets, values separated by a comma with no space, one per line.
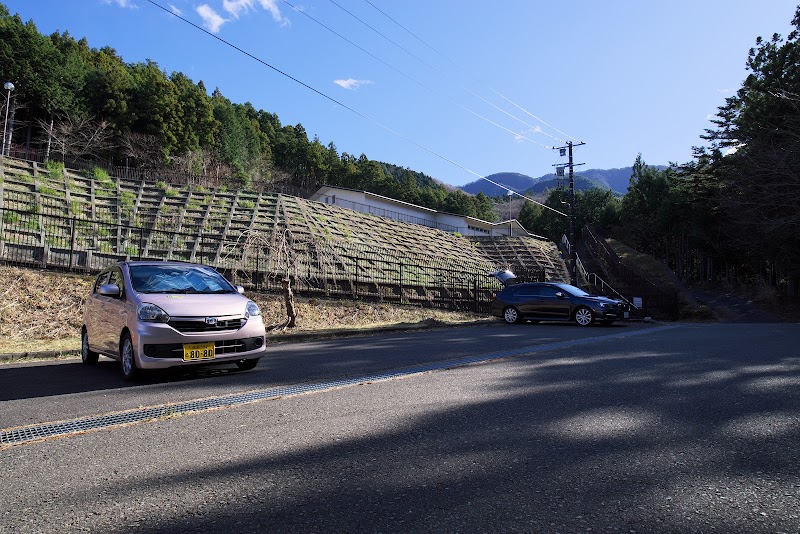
[48,191]
[101,175]
[10,217]
[55,170]
[127,198]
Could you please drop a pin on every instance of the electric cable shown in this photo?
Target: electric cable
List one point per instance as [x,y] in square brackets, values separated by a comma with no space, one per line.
[462,69]
[344,106]
[515,134]
[533,128]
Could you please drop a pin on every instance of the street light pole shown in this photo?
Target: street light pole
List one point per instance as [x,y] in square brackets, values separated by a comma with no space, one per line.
[8,86]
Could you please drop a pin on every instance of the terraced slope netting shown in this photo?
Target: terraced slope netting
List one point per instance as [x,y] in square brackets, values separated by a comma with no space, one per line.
[524,254]
[66,219]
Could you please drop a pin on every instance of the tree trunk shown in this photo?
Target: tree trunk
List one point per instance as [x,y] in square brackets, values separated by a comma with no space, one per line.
[288,296]
[792,285]
[49,138]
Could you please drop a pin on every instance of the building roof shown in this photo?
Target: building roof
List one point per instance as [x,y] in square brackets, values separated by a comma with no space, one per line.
[325,189]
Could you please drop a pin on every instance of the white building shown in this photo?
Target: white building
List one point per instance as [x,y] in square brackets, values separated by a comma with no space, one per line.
[398,210]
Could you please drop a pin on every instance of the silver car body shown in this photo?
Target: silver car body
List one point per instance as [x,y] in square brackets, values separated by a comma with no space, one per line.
[221,318]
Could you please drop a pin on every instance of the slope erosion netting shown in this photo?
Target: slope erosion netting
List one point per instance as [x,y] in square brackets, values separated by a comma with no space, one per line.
[78,220]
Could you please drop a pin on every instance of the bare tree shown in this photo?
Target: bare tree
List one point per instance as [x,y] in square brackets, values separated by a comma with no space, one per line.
[281,254]
[292,260]
[76,136]
[144,149]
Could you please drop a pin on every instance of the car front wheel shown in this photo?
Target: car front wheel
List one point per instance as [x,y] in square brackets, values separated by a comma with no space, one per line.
[511,315]
[584,316]
[127,359]
[88,356]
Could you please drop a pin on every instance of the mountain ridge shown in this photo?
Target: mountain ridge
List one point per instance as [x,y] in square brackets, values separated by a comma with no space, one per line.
[616,180]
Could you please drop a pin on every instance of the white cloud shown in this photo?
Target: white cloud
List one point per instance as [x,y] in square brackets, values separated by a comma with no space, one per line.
[523,136]
[175,9]
[352,84]
[122,3]
[236,7]
[211,19]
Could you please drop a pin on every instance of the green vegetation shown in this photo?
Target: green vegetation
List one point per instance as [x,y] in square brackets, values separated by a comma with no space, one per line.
[48,191]
[102,176]
[127,198]
[55,170]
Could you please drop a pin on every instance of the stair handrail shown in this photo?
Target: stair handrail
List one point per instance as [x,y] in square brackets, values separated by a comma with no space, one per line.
[612,261]
[596,280]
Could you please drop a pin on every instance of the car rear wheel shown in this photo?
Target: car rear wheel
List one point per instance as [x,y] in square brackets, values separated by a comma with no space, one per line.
[511,315]
[88,356]
[246,365]
[127,359]
[584,316]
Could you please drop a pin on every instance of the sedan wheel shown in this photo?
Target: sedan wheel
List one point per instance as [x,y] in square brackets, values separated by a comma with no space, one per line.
[246,365]
[88,356]
[511,315]
[127,360]
[584,316]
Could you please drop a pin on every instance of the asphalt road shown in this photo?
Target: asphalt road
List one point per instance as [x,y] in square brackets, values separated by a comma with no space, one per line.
[632,428]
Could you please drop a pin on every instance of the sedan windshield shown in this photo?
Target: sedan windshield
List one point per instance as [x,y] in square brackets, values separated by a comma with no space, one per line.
[177,279]
[572,290]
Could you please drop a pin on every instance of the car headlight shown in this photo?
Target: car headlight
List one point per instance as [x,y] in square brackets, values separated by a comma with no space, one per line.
[605,305]
[151,313]
[252,310]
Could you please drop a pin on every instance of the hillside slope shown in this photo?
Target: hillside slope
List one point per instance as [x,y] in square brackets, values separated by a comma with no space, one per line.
[58,217]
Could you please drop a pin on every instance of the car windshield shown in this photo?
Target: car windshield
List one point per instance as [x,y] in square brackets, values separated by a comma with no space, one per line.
[572,290]
[178,279]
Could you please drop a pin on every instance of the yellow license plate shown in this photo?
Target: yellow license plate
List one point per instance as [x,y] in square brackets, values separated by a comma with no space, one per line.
[198,351]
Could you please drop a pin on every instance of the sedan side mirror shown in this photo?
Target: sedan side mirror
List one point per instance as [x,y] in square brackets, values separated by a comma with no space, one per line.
[560,295]
[240,290]
[109,290]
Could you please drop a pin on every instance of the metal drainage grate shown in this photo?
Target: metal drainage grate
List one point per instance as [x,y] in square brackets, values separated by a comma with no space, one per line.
[21,435]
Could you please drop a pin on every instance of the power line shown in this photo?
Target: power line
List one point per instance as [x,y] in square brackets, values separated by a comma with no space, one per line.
[468,110]
[348,108]
[440,73]
[466,72]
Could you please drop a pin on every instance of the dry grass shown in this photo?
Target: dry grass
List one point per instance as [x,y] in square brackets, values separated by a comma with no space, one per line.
[42,311]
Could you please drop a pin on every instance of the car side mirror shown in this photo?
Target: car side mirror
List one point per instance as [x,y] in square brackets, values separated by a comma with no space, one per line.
[109,290]
[560,295]
[240,290]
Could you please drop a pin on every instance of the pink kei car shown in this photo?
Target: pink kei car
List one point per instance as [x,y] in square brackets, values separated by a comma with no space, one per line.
[153,314]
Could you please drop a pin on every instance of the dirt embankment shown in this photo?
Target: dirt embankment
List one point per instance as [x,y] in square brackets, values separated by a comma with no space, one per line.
[43,310]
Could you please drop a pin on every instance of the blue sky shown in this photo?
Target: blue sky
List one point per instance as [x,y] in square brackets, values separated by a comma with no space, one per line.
[453,89]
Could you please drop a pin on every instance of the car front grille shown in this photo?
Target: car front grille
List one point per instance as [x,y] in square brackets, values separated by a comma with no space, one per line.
[222,347]
[201,325]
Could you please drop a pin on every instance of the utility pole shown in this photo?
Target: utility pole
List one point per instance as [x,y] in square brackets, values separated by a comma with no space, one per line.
[573,267]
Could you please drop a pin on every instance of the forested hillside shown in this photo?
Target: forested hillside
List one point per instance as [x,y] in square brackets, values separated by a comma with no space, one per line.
[73,100]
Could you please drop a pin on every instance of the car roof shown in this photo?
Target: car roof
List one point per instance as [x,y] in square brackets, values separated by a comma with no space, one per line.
[171,263]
